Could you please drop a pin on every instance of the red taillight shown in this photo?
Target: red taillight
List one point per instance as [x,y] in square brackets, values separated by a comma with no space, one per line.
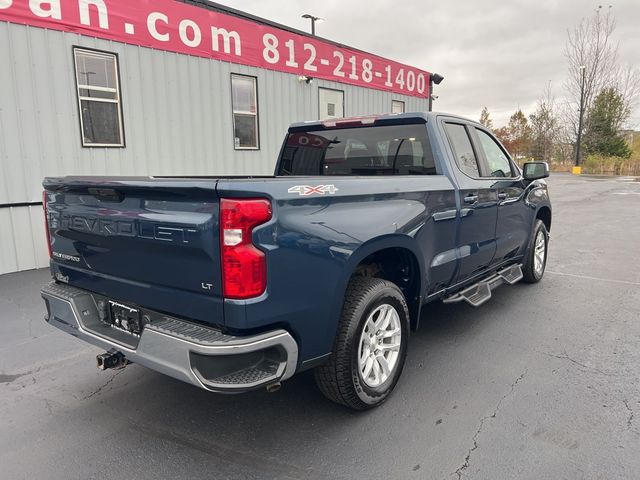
[46,222]
[244,267]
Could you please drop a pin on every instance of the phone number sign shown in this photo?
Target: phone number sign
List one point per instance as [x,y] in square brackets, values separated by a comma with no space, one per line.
[179,27]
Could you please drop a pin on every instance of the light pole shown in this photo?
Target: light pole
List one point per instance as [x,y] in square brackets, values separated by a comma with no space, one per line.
[434,78]
[580,116]
[313,19]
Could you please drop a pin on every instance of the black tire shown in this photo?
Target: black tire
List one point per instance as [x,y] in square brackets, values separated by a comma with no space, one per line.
[340,379]
[531,274]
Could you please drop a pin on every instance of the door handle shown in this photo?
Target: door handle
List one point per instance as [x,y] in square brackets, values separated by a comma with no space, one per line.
[471,199]
[503,195]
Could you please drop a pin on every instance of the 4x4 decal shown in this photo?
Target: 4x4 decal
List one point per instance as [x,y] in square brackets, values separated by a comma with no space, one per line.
[306,190]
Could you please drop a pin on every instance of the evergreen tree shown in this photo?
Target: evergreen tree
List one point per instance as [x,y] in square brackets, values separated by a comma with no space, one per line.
[604,120]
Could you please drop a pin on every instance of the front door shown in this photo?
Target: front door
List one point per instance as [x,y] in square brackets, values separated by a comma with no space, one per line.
[514,216]
[478,213]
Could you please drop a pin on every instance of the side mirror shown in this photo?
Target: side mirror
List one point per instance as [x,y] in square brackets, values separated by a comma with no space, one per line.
[535,170]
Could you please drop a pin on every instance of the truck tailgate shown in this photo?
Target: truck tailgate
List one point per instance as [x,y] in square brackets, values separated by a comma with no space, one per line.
[154,241]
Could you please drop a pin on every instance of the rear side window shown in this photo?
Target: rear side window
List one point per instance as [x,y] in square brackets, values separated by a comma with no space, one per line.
[382,150]
[462,149]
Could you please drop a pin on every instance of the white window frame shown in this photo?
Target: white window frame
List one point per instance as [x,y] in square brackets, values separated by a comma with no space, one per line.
[116,90]
[244,112]
[398,102]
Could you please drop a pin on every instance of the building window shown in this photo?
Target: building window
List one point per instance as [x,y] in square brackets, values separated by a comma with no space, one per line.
[244,99]
[331,103]
[97,82]
[397,106]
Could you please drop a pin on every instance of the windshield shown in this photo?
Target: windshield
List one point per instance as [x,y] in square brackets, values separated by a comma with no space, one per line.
[383,150]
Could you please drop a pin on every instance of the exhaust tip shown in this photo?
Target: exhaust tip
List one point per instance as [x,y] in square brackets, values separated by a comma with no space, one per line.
[273,387]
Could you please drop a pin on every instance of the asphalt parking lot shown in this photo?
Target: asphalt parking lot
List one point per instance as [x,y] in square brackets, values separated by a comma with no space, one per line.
[542,382]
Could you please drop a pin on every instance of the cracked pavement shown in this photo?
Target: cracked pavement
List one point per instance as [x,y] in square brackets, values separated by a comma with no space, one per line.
[541,382]
[467,459]
[112,374]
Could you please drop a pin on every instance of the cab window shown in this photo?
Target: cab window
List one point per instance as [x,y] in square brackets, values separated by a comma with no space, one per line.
[462,149]
[497,161]
[377,150]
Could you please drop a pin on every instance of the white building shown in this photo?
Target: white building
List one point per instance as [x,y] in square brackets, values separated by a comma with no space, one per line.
[163,87]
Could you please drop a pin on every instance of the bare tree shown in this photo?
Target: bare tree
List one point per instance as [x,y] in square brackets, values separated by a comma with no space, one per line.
[627,84]
[545,126]
[592,54]
[485,118]
[593,57]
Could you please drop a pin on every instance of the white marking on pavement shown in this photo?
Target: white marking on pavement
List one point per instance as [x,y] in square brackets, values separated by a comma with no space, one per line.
[587,277]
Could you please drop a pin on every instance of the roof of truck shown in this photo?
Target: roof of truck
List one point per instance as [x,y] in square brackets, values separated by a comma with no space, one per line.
[381,119]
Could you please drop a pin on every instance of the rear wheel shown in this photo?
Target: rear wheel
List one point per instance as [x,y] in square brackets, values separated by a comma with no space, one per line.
[536,261]
[370,346]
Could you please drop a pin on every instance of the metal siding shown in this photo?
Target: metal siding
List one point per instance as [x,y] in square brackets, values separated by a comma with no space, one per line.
[177,121]
[23,245]
[8,256]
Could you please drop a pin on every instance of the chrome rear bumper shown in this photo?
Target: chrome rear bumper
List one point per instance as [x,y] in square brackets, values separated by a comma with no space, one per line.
[190,352]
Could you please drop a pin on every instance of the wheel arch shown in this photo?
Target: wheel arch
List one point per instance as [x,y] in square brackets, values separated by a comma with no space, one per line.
[395,258]
[544,214]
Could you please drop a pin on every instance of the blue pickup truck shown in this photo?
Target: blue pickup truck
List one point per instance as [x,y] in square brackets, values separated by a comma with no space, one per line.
[232,283]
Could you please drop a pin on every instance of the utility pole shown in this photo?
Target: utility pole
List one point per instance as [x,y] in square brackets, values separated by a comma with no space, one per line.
[580,117]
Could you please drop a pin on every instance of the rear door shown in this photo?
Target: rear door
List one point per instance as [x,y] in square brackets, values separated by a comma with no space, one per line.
[152,242]
[514,216]
[476,244]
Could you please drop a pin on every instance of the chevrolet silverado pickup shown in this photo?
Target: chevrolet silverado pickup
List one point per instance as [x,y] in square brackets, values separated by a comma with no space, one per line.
[233,283]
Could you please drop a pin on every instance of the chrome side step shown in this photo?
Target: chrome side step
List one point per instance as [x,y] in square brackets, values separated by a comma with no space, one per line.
[512,274]
[480,292]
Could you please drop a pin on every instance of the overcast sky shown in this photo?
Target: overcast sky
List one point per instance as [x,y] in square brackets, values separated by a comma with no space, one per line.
[498,53]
